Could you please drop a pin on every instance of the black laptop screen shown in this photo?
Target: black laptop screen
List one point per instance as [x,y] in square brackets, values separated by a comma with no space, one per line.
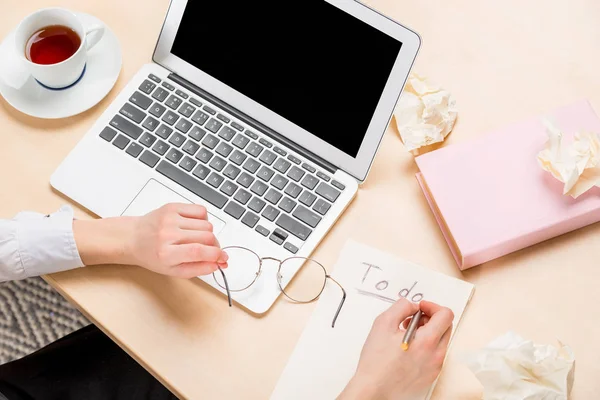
[308,61]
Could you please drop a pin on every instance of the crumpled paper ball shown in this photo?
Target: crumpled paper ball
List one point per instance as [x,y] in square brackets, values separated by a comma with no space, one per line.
[512,368]
[425,113]
[577,165]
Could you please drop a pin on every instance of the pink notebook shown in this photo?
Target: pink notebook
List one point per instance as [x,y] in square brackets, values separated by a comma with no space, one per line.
[490,197]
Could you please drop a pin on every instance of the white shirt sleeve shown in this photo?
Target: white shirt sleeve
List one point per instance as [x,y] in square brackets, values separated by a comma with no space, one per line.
[33,244]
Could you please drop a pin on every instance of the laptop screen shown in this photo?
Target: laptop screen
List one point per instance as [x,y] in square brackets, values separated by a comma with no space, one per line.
[308,61]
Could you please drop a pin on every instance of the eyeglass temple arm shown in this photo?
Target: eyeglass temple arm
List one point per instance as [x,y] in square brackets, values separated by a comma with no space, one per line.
[227,286]
[341,302]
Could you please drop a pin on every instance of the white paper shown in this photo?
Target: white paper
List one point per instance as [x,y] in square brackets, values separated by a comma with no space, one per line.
[325,358]
[425,113]
[512,368]
[577,164]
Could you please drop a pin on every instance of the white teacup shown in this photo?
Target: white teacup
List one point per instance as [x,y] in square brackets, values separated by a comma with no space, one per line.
[65,73]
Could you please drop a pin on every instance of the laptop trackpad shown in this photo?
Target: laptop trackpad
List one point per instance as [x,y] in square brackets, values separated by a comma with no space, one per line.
[155,195]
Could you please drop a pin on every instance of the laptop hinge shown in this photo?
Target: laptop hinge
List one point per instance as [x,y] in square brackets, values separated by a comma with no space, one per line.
[254,124]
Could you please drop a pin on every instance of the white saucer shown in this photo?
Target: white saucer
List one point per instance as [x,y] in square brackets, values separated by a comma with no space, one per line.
[102,70]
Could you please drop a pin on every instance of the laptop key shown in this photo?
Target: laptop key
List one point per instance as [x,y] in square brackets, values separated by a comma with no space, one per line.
[262,230]
[290,247]
[259,188]
[223,118]
[267,157]
[254,149]
[294,159]
[197,133]
[195,102]
[215,179]
[183,125]
[256,204]
[199,118]
[192,184]
[204,155]
[209,110]
[237,126]
[128,128]
[280,151]
[273,196]
[309,168]
[154,78]
[251,165]
[321,206]
[326,191]
[250,219]
[218,163]
[282,165]
[133,113]
[308,217]
[270,213]
[224,149]
[134,149]
[234,209]
[251,134]
[149,158]
[190,147]
[173,102]
[265,142]
[147,139]
[279,182]
[293,190]
[150,123]
[293,226]
[287,204]
[245,180]
[157,110]
[265,174]
[188,164]
[277,239]
[296,173]
[240,141]
[170,118]
[242,196]
[307,198]
[323,176]
[310,182]
[160,147]
[231,171]
[168,86]
[227,133]
[164,131]
[160,94]
[147,86]
[210,141]
[238,157]
[177,139]
[121,142]
[213,125]
[228,188]
[108,134]
[187,110]
[174,155]
[338,185]
[182,94]
[140,100]
[201,171]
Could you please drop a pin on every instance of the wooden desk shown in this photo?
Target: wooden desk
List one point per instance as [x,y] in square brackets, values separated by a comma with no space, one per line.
[503,60]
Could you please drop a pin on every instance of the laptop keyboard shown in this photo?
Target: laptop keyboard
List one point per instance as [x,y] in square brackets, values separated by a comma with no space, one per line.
[215,157]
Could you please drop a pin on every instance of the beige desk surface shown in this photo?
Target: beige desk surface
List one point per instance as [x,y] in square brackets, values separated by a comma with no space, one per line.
[503,60]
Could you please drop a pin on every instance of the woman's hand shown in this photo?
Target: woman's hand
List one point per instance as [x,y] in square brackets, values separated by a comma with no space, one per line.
[176,240]
[385,371]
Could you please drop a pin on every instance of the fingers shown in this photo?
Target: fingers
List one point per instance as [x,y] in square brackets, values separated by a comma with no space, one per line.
[192,224]
[191,270]
[190,210]
[195,252]
[440,320]
[398,312]
[200,237]
[424,319]
[445,340]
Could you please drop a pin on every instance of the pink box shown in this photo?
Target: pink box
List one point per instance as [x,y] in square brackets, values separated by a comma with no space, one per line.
[490,197]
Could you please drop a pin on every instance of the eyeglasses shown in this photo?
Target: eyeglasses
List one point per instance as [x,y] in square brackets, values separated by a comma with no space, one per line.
[245,266]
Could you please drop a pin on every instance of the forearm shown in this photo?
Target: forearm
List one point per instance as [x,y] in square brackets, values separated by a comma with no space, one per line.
[103,241]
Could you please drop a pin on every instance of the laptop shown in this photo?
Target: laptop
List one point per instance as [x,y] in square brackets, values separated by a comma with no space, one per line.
[267,113]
